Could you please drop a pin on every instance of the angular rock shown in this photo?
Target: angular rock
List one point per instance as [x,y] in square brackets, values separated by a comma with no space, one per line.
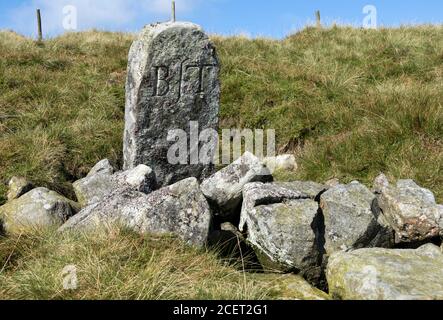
[350,221]
[381,182]
[173,79]
[18,186]
[311,189]
[332,183]
[282,226]
[285,162]
[411,210]
[102,167]
[383,274]
[38,208]
[287,287]
[95,187]
[258,193]
[225,188]
[179,209]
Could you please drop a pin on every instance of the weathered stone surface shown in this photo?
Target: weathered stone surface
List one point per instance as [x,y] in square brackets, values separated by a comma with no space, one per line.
[350,222]
[179,209]
[285,162]
[18,186]
[173,79]
[381,182]
[38,208]
[225,188]
[258,193]
[282,226]
[311,189]
[102,167]
[95,187]
[287,287]
[332,183]
[383,274]
[411,211]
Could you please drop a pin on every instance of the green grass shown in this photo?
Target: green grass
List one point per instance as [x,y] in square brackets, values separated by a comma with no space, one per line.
[349,103]
[117,264]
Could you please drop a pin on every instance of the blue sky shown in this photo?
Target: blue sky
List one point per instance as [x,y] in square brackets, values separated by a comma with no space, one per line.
[272,18]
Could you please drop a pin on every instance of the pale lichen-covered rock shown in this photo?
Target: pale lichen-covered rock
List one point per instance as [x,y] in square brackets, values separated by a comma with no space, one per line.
[18,186]
[332,183]
[350,221]
[38,208]
[287,287]
[284,162]
[258,193]
[102,167]
[381,182]
[173,79]
[282,226]
[384,274]
[225,188]
[180,209]
[411,210]
[95,187]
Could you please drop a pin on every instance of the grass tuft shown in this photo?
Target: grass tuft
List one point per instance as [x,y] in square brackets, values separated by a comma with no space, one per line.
[116,264]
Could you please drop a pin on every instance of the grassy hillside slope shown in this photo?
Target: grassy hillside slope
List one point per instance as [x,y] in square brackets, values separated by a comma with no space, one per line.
[348,102]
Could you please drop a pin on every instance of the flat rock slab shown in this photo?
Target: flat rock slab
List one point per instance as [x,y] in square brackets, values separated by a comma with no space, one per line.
[411,210]
[100,182]
[224,189]
[38,208]
[282,227]
[350,221]
[18,186]
[173,79]
[179,209]
[383,274]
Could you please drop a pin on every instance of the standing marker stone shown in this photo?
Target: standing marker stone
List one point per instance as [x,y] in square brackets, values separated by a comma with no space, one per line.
[173,80]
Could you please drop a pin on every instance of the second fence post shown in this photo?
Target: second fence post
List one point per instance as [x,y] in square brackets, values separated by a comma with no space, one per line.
[173,11]
[39,26]
[318,17]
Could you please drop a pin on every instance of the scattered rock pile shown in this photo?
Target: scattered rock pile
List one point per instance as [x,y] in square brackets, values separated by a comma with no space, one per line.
[343,233]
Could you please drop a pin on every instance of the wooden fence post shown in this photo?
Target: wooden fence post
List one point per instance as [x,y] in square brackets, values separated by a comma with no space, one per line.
[39,25]
[173,11]
[318,18]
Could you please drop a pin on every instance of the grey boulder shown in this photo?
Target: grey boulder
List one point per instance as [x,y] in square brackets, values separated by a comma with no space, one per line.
[411,210]
[384,274]
[350,220]
[285,162]
[100,182]
[225,188]
[38,208]
[18,186]
[282,227]
[179,209]
[104,166]
[381,182]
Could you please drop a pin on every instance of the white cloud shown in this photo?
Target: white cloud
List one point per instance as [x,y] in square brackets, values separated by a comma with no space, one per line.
[102,14]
